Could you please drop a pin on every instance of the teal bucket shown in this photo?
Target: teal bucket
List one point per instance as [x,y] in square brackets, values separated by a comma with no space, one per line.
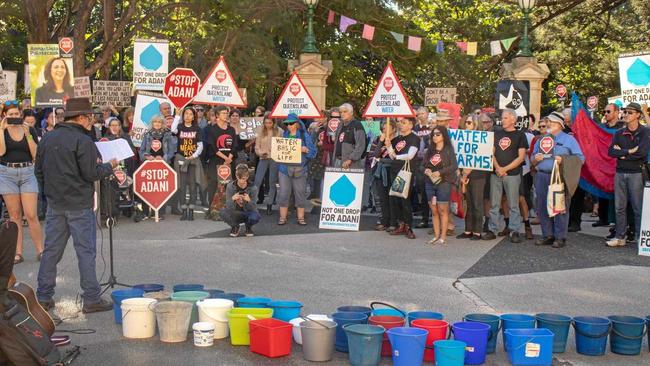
[515,321]
[627,334]
[191,297]
[559,325]
[414,315]
[591,334]
[495,326]
[253,302]
[449,353]
[364,344]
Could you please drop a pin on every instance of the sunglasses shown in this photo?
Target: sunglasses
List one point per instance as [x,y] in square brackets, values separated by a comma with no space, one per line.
[608,112]
[469,122]
[290,123]
[11,102]
[629,112]
[437,134]
[200,109]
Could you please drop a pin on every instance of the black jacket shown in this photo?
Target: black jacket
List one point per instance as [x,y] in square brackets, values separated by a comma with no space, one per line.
[627,140]
[66,167]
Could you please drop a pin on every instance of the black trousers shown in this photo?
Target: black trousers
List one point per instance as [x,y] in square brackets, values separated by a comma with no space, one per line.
[381,193]
[422,197]
[400,208]
[577,207]
[474,215]
[211,173]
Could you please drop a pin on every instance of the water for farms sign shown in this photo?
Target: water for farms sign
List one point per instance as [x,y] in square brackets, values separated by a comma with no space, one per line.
[150,64]
[473,148]
[342,192]
[634,71]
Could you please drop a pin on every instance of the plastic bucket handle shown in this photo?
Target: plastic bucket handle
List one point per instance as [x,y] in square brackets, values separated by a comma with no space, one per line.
[491,334]
[645,331]
[609,329]
[372,306]
[315,321]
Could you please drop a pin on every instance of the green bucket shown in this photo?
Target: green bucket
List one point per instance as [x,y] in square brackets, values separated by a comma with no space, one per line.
[191,297]
[238,319]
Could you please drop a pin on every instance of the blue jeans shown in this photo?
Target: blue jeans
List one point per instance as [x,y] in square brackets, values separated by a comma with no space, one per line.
[59,226]
[628,187]
[234,217]
[509,183]
[262,166]
[558,225]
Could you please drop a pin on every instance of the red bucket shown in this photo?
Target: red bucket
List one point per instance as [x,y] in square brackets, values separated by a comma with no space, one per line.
[437,331]
[388,322]
[270,337]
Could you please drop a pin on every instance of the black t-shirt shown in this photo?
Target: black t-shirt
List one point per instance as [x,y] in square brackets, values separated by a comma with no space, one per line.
[221,140]
[506,148]
[188,139]
[401,145]
[156,147]
[18,151]
[433,160]
[346,135]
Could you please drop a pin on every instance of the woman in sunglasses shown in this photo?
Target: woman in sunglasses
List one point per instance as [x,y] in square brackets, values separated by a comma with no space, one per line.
[440,169]
[18,185]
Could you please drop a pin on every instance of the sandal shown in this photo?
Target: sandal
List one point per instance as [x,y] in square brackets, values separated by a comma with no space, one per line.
[434,241]
[18,259]
[302,222]
[282,221]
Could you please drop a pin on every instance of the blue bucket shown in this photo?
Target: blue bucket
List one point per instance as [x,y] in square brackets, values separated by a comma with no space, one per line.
[354,309]
[627,334]
[341,320]
[591,334]
[364,343]
[213,293]
[391,311]
[516,321]
[285,310]
[150,287]
[475,335]
[559,325]
[234,296]
[118,296]
[253,302]
[408,345]
[188,287]
[449,353]
[533,347]
[413,315]
[495,325]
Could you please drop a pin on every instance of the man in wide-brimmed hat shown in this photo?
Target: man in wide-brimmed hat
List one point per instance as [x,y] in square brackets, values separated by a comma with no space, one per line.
[66,168]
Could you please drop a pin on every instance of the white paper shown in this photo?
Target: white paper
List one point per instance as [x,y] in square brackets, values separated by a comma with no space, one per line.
[117,149]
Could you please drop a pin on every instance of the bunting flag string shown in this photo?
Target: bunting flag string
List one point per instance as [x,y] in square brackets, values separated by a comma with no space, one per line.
[414,43]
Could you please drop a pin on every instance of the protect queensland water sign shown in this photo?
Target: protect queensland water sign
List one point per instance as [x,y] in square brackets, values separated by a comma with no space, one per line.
[342,192]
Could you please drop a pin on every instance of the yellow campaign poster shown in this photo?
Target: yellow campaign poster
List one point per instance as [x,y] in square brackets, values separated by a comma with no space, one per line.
[51,76]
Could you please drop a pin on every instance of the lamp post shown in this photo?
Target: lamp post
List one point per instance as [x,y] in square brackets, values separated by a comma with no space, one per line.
[309,43]
[525,45]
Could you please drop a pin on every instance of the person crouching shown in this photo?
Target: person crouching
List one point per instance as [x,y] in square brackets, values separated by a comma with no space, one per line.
[241,203]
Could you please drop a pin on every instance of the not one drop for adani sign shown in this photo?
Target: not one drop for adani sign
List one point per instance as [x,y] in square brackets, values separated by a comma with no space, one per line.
[342,191]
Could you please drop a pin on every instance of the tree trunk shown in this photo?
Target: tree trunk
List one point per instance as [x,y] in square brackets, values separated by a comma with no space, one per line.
[35,16]
[109,26]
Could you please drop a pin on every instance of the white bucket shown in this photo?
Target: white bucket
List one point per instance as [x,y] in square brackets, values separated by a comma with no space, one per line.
[215,311]
[203,334]
[138,318]
[297,335]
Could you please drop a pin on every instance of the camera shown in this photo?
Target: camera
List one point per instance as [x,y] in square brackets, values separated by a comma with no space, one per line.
[14,121]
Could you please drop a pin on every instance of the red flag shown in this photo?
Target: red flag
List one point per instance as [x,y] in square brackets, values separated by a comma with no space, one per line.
[454,111]
[330,17]
[599,168]
[462,46]
[368,32]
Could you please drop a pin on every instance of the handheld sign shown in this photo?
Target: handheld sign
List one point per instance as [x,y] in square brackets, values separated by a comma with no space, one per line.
[474,149]
[181,85]
[560,90]
[147,105]
[155,182]
[219,88]
[342,196]
[284,150]
[592,103]
[389,99]
[150,63]
[295,98]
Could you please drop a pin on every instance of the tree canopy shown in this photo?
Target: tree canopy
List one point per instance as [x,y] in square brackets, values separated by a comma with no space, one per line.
[580,40]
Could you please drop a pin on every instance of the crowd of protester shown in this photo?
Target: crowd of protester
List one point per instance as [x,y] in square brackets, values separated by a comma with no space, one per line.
[197,140]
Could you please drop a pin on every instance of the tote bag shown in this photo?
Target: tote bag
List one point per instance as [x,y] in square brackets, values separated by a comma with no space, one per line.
[555,200]
[402,183]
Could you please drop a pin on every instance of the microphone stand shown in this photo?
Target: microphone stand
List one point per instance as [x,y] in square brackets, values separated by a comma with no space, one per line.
[110,223]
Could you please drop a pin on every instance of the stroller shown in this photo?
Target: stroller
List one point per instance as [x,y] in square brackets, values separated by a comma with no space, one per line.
[121,199]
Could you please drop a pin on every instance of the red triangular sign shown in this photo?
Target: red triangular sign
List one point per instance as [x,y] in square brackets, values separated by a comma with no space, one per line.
[295,98]
[389,99]
[219,88]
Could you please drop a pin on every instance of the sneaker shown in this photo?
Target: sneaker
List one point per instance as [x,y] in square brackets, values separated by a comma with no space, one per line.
[249,232]
[234,231]
[488,235]
[545,241]
[616,243]
[409,233]
[505,232]
[560,243]
[529,233]
[102,305]
[475,237]
[514,237]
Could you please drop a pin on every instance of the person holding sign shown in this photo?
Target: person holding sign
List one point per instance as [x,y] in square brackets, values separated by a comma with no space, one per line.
[187,163]
[156,145]
[293,177]
[265,165]
[350,140]
[380,169]
[402,150]
[440,169]
[554,146]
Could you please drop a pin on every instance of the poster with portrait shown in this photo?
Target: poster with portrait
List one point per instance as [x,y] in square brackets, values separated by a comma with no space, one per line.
[515,95]
[51,76]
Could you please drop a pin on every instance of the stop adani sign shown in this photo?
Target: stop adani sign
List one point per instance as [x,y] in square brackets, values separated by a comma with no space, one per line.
[181,86]
[155,182]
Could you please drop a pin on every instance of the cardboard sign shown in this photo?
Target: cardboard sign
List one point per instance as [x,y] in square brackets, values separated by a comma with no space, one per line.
[473,148]
[51,75]
[150,63]
[8,85]
[342,196]
[147,105]
[181,85]
[514,94]
[433,96]
[109,92]
[295,98]
[389,99]
[287,151]
[634,73]
[82,87]
[219,88]
[248,127]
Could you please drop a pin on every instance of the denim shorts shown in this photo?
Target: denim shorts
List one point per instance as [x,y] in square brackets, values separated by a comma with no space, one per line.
[442,191]
[17,180]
